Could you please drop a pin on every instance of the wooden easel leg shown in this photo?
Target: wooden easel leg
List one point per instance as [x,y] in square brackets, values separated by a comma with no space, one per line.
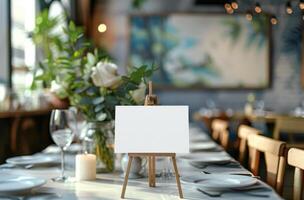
[177,178]
[151,174]
[126,178]
[153,171]
[150,171]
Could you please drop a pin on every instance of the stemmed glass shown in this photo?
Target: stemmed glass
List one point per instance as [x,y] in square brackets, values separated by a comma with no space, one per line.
[61,129]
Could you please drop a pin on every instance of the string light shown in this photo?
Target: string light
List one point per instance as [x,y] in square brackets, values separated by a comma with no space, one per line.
[289,8]
[258,8]
[228,8]
[273,20]
[102,28]
[301,4]
[249,16]
[234,4]
[230,11]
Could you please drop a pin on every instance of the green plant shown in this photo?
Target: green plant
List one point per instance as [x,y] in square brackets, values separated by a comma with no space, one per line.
[86,77]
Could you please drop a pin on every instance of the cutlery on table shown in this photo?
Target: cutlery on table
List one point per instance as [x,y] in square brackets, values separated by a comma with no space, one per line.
[209,193]
[237,173]
[205,165]
[220,193]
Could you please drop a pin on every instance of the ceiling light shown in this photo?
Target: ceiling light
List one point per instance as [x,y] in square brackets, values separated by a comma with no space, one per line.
[273,20]
[234,5]
[102,28]
[249,15]
[230,11]
[301,4]
[289,8]
[228,8]
[258,8]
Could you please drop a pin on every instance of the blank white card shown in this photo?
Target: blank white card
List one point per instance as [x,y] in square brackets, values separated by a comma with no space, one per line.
[146,129]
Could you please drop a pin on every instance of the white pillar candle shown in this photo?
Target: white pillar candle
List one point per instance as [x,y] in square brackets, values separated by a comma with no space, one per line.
[85,167]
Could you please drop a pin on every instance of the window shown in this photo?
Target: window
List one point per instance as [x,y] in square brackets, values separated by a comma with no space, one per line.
[23,15]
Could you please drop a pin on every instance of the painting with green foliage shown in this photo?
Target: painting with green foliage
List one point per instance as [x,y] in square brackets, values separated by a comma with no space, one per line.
[202,50]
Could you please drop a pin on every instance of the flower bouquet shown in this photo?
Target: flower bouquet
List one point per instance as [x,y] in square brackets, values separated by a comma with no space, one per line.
[90,82]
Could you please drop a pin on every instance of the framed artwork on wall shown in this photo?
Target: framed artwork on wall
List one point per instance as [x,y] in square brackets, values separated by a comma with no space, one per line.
[195,50]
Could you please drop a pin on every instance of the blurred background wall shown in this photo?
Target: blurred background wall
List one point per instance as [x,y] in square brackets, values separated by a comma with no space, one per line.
[285,92]
[283,95]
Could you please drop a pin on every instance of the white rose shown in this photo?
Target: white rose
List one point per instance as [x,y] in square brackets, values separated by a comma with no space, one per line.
[105,74]
[139,94]
[55,87]
[58,89]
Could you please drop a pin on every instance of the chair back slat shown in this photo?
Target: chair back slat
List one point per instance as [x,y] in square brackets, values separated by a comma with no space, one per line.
[272,163]
[254,161]
[243,133]
[274,153]
[220,132]
[296,159]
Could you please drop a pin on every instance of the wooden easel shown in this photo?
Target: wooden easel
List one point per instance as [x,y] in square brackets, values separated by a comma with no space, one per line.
[150,101]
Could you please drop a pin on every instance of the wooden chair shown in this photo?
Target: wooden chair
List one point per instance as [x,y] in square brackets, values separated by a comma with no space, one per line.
[275,159]
[296,159]
[243,133]
[290,125]
[220,132]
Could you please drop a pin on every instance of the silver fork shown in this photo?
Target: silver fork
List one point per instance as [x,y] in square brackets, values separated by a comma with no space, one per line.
[220,193]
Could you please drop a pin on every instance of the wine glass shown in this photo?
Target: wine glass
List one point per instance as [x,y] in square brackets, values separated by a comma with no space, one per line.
[61,128]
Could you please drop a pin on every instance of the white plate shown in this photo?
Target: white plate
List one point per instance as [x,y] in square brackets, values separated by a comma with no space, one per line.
[207,157]
[15,184]
[222,181]
[32,160]
[202,146]
[226,181]
[199,155]
[199,136]
[210,160]
[72,149]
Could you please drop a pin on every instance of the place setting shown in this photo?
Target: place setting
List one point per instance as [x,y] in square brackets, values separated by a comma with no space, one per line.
[18,187]
[31,161]
[204,146]
[13,184]
[218,155]
[220,162]
[74,148]
[216,185]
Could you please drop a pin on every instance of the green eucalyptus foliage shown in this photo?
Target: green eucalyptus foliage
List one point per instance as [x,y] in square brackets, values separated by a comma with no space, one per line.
[69,61]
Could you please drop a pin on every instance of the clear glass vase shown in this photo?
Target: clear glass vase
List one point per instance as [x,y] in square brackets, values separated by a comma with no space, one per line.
[99,140]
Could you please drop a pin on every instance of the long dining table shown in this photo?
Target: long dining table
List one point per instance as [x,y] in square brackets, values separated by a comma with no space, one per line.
[108,186]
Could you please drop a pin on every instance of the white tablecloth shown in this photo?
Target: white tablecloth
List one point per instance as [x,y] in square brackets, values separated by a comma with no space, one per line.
[108,186]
